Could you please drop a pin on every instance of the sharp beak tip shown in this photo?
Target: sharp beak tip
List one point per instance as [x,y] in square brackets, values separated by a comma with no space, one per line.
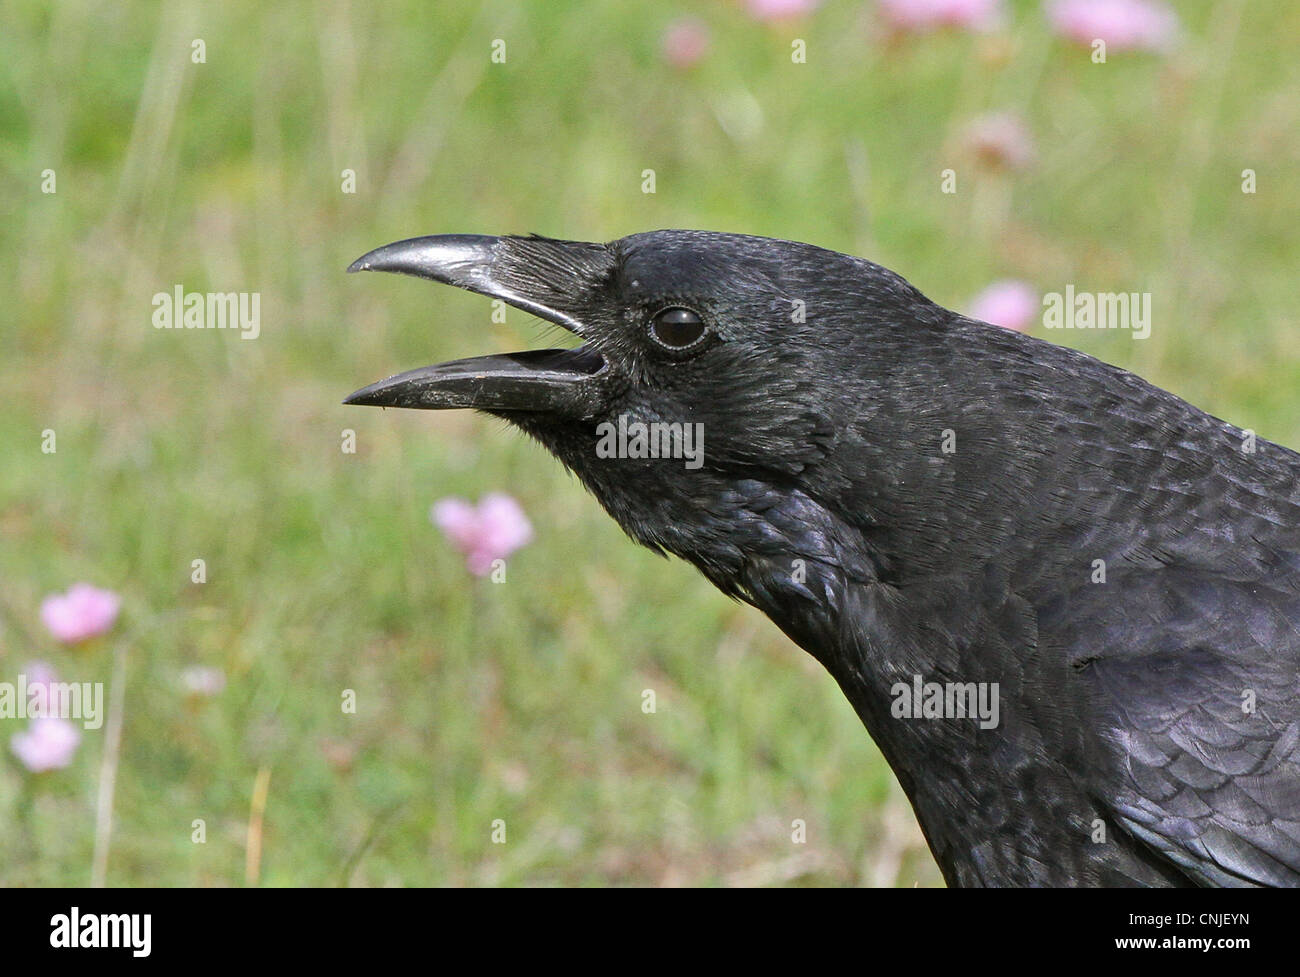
[365,397]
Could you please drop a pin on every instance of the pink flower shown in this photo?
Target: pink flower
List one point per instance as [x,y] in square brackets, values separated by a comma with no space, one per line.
[48,744]
[1001,139]
[780,9]
[925,15]
[83,612]
[1142,25]
[490,532]
[1010,304]
[685,42]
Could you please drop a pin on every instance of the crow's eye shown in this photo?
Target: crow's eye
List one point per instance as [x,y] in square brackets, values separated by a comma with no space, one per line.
[676,328]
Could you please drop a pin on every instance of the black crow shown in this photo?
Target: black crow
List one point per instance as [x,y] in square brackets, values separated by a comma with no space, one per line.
[1065,603]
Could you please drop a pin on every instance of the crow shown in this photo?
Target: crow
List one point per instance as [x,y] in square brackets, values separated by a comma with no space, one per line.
[1064,602]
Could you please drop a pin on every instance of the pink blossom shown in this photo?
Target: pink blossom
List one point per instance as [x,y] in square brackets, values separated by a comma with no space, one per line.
[83,612]
[1002,139]
[924,15]
[685,42]
[1142,25]
[486,533]
[47,744]
[1010,304]
[780,9]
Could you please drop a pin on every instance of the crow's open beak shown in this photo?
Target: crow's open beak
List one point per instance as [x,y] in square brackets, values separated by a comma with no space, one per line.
[537,275]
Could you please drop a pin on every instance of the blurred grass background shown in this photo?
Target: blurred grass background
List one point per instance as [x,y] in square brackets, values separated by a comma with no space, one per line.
[520,701]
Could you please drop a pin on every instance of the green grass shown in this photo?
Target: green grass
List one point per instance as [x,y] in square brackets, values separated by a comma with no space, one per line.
[519,701]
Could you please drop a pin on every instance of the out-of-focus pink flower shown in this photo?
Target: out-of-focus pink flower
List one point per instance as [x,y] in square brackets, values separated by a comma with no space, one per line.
[203,680]
[925,15]
[1010,304]
[1000,139]
[83,612]
[685,42]
[1142,25]
[47,744]
[780,9]
[490,531]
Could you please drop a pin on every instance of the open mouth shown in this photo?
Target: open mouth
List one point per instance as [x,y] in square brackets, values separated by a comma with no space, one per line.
[568,381]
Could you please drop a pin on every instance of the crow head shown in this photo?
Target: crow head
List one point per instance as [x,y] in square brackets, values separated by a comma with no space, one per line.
[919,499]
[716,376]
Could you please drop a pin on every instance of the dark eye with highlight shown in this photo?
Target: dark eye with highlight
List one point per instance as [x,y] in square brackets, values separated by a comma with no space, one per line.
[676,328]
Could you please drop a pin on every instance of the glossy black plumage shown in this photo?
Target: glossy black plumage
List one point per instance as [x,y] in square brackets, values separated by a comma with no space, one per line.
[906,492]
